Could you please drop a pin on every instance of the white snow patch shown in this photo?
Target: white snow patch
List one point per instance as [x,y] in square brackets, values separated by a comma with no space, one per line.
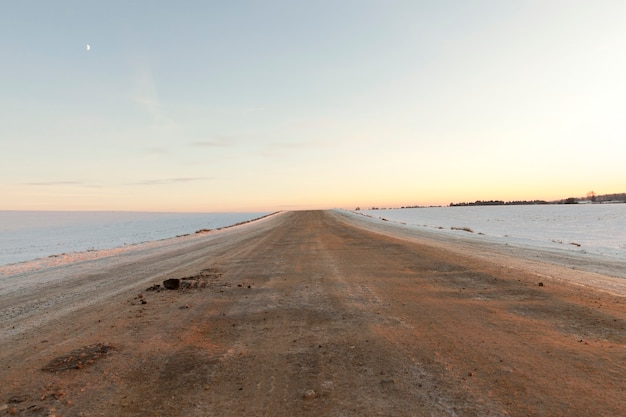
[598,229]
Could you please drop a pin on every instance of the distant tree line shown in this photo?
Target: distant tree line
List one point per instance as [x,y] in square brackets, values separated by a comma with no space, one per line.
[499,203]
[609,197]
[590,198]
[593,198]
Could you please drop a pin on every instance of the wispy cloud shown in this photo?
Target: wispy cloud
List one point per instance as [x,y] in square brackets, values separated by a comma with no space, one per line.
[210,144]
[222,141]
[146,96]
[155,181]
[308,124]
[52,183]
[60,184]
[241,111]
[297,145]
[276,149]
[153,151]
[145,93]
[165,181]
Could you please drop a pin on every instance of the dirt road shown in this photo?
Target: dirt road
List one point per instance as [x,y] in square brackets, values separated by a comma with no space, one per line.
[307,314]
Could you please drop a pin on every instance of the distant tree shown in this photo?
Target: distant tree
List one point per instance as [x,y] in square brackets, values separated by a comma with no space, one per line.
[571,200]
[592,196]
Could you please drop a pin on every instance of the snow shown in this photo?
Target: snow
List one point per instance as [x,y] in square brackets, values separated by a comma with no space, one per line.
[598,229]
[28,235]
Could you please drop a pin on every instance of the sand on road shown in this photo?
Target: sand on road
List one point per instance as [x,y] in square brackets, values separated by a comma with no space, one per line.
[310,313]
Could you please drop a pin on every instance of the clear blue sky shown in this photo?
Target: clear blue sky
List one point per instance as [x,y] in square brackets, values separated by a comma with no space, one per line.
[263,105]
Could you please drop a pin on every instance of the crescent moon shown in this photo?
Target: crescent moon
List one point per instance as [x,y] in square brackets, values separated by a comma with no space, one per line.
[88,47]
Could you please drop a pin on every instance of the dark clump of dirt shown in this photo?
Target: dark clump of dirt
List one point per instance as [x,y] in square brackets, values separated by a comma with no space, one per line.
[172,283]
[206,278]
[79,358]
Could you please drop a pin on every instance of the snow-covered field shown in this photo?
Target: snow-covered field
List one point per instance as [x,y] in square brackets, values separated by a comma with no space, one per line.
[55,237]
[598,229]
[27,235]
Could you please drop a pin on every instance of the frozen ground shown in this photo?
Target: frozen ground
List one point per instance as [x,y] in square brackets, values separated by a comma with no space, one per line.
[28,235]
[598,229]
[554,261]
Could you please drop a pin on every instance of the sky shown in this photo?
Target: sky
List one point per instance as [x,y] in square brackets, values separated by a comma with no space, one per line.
[278,105]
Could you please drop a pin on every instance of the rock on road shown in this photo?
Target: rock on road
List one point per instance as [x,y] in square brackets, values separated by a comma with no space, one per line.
[308,314]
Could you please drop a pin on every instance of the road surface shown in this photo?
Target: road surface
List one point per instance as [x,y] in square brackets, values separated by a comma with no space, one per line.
[309,314]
